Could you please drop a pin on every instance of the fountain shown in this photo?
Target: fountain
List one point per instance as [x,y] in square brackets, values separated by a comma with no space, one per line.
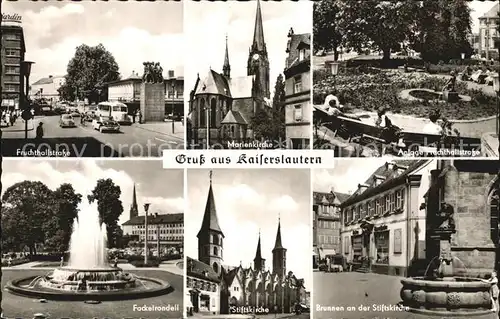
[446,291]
[88,275]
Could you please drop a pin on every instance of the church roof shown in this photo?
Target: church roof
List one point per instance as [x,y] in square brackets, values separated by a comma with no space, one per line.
[492,13]
[241,87]
[258,253]
[278,244]
[213,83]
[258,33]
[234,117]
[210,219]
[229,278]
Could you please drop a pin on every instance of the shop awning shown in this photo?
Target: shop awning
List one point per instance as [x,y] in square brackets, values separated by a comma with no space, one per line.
[327,252]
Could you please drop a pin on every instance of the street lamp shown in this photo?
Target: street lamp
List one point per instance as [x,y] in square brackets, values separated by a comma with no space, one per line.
[496,88]
[173,101]
[26,71]
[157,222]
[334,67]
[146,208]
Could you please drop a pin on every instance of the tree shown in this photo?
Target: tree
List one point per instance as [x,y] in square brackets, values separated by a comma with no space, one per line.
[326,30]
[87,73]
[109,205]
[24,219]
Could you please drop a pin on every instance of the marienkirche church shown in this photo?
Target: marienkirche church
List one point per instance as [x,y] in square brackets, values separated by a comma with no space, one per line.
[216,288]
[223,104]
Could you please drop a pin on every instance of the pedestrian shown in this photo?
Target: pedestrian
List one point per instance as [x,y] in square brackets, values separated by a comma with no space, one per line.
[7,118]
[12,118]
[493,291]
[328,264]
[39,131]
[133,116]
[140,117]
[116,262]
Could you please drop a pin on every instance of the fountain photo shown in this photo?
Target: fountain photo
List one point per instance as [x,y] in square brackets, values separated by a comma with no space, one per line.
[248,235]
[430,89]
[410,238]
[73,239]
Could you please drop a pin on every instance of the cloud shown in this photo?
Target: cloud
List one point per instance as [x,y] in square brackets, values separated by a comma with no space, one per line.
[284,203]
[83,175]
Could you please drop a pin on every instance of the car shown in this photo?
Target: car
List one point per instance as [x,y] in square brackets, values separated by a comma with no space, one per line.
[301,308]
[105,123]
[67,120]
[75,114]
[90,113]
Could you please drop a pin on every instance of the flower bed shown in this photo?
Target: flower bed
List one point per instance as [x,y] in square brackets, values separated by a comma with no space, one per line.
[370,91]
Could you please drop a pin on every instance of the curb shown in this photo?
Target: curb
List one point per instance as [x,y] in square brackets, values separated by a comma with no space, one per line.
[163,133]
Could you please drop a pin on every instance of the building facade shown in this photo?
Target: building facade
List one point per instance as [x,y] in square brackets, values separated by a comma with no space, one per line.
[128,91]
[13,52]
[258,287]
[165,229]
[383,225]
[222,106]
[327,224]
[298,109]
[47,88]
[488,33]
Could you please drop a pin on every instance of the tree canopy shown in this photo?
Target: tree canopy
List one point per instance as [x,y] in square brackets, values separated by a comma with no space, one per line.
[88,72]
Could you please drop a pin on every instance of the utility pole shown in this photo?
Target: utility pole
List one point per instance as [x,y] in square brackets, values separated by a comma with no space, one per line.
[146,208]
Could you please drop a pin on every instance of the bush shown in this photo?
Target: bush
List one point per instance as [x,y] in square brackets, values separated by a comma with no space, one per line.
[140,263]
[14,262]
[132,258]
[48,257]
[393,63]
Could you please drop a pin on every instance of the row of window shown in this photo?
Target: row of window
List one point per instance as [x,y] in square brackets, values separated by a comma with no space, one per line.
[328,239]
[161,225]
[12,70]
[13,52]
[328,209]
[381,243]
[376,207]
[11,36]
[11,88]
[201,285]
[328,224]
[215,251]
[162,231]
[153,238]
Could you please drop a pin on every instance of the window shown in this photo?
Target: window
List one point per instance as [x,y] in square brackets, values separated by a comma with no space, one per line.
[302,54]
[346,245]
[397,241]
[216,251]
[378,208]
[382,247]
[371,210]
[297,84]
[202,113]
[213,113]
[387,203]
[12,37]
[357,247]
[11,88]
[392,201]
[400,199]
[12,53]
[12,70]
[297,115]
[362,211]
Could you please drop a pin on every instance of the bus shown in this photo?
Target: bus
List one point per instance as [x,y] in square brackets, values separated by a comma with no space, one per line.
[117,110]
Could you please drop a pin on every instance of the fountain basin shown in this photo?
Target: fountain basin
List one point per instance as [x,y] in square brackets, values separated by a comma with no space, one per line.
[429,95]
[48,288]
[455,296]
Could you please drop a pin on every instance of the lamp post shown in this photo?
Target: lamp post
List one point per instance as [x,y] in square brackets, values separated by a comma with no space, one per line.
[334,67]
[496,87]
[157,222]
[173,101]
[146,208]
[26,71]
[463,57]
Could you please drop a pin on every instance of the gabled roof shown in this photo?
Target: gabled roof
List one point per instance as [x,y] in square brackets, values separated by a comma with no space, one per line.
[210,220]
[213,83]
[197,269]
[390,178]
[47,80]
[234,117]
[492,13]
[160,219]
[297,42]
[318,197]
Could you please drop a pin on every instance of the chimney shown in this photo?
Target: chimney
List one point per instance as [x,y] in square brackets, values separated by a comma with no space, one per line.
[290,32]
[171,74]
[50,76]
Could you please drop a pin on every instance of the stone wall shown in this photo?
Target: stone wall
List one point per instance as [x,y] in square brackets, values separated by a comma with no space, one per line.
[152,102]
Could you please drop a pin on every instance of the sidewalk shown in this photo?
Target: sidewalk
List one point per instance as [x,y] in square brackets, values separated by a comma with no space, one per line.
[164,128]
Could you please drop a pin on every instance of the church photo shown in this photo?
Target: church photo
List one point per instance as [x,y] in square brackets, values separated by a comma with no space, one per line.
[247,240]
[247,72]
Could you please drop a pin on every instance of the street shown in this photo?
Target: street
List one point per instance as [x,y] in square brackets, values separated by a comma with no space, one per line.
[353,295]
[137,140]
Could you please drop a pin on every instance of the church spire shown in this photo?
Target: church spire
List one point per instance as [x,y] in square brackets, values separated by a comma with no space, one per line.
[134,211]
[226,68]
[259,262]
[258,33]
[277,244]
[258,254]
[210,219]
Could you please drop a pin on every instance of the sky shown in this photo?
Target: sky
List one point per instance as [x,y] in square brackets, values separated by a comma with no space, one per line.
[206,34]
[149,176]
[478,9]
[134,32]
[247,200]
[346,175]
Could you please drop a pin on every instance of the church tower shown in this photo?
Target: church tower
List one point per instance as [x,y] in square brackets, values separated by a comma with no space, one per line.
[210,236]
[134,211]
[258,61]
[259,263]
[226,68]
[279,255]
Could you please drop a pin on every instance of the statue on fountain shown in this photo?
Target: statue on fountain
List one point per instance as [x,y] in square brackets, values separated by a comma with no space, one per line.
[449,90]
[447,222]
[153,72]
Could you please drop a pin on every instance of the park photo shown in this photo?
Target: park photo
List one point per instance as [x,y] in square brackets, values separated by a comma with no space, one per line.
[74,239]
[429,89]
[92,79]
[408,239]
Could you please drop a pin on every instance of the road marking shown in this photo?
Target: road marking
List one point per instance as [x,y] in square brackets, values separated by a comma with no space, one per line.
[170,142]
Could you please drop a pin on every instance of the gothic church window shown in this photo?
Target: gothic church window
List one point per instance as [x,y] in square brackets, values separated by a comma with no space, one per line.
[202,113]
[213,113]
[215,267]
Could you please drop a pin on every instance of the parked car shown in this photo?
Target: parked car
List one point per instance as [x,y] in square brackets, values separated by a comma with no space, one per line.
[67,120]
[301,308]
[105,124]
[90,113]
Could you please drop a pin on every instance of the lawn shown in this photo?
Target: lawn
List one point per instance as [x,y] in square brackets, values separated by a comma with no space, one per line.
[14,306]
[367,89]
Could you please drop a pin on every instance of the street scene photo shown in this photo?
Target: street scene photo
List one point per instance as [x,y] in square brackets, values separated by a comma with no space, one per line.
[407,239]
[248,237]
[99,238]
[248,74]
[406,78]
[92,79]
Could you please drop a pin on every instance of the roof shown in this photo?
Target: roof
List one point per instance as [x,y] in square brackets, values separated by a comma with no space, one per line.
[160,219]
[231,274]
[258,34]
[390,178]
[233,117]
[213,83]
[297,42]
[210,219]
[241,87]
[330,197]
[47,80]
[278,244]
[198,269]
[492,13]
